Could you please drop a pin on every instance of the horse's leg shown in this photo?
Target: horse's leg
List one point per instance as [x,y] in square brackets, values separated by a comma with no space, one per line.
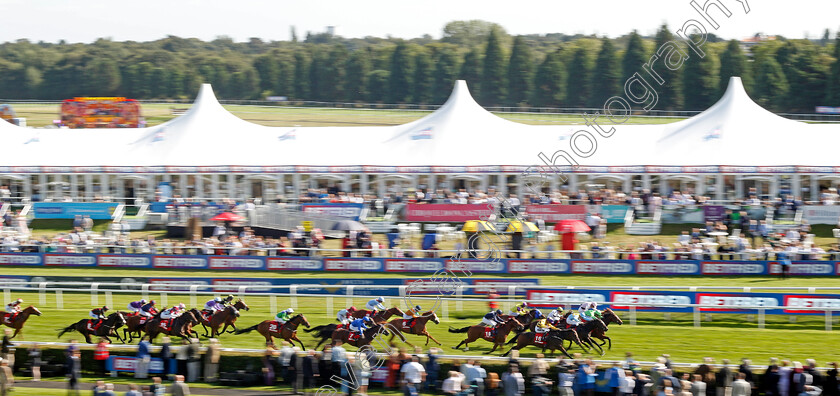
[461,343]
[17,331]
[428,335]
[206,334]
[294,337]
[511,349]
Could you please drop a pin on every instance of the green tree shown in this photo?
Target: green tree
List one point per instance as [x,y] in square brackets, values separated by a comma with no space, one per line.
[301,80]
[671,92]
[158,82]
[700,81]
[520,72]
[606,82]
[833,86]
[423,79]
[471,71]
[144,80]
[32,80]
[268,70]
[358,67]
[317,71]
[446,71]
[578,86]
[335,74]
[469,33]
[550,82]
[771,86]
[493,72]
[400,77]
[733,63]
[103,77]
[634,57]
[378,85]
[175,85]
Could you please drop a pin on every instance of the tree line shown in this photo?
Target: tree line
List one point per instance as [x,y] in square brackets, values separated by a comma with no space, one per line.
[552,70]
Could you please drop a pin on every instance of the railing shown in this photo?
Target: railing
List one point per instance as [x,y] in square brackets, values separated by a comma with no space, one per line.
[404,291]
[282,218]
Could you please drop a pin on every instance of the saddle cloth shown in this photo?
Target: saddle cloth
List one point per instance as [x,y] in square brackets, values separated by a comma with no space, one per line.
[539,338]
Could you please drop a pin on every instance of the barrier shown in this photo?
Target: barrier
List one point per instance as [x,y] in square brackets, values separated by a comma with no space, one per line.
[379,264]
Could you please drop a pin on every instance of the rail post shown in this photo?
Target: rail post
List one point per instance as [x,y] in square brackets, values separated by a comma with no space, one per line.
[272,303]
[193,290]
[696,317]
[828,320]
[242,292]
[144,291]
[329,306]
[761,318]
[349,295]
[293,296]
[633,315]
[42,294]
[94,295]
[163,299]
[109,298]
[459,304]
[445,308]
[402,292]
[59,299]
[7,295]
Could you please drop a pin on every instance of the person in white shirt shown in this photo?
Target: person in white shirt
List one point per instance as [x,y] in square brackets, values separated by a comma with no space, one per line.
[413,375]
[452,385]
[628,384]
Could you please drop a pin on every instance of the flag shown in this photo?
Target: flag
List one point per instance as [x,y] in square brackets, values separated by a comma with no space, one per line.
[425,133]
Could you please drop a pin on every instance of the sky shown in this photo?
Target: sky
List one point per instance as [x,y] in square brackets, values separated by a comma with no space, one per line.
[87,20]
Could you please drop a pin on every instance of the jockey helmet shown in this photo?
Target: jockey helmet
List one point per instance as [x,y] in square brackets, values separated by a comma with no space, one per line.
[417,308]
[230,297]
[524,304]
[152,302]
[142,301]
[351,309]
[368,319]
[20,300]
[538,314]
[380,299]
[182,306]
[218,299]
[290,310]
[104,308]
[498,312]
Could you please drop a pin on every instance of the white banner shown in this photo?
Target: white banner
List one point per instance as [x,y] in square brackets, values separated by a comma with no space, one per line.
[822,214]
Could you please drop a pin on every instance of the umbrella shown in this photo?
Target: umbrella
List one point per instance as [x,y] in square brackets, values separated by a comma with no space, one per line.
[478,226]
[522,226]
[227,216]
[570,225]
[348,225]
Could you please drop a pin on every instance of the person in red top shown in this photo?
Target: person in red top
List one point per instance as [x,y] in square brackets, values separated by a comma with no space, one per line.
[493,296]
[100,354]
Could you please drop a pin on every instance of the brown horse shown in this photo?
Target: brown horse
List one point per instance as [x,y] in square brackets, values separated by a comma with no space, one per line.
[225,317]
[180,327]
[585,331]
[343,335]
[552,341]
[324,332]
[379,316]
[608,316]
[19,320]
[418,328]
[478,331]
[108,327]
[136,324]
[270,329]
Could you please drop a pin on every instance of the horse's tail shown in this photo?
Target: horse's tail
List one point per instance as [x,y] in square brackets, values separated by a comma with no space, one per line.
[461,330]
[316,328]
[248,330]
[70,328]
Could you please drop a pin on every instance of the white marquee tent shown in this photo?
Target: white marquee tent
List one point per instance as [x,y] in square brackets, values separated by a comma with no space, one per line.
[208,152]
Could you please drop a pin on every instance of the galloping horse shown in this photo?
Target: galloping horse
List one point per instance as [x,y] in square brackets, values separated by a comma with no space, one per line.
[608,316]
[343,335]
[108,327]
[19,320]
[586,330]
[136,324]
[419,326]
[270,329]
[180,326]
[552,340]
[324,332]
[225,317]
[528,320]
[476,332]
[380,316]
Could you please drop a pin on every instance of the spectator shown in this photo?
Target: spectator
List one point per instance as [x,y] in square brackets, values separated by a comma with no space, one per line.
[7,379]
[492,383]
[830,386]
[539,367]
[166,356]
[565,380]
[785,373]
[723,379]
[698,387]
[748,374]
[475,376]
[35,361]
[99,388]
[100,355]
[741,387]
[157,388]
[339,356]
[74,370]
[193,360]
[585,378]
[181,356]
[432,370]
[144,358]
[541,385]
[179,388]
[614,378]
[628,384]
[770,379]
[133,390]
[211,361]
[412,376]
[268,365]
[309,368]
[512,382]
[7,350]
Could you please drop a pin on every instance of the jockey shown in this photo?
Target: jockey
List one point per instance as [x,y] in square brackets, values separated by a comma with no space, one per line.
[147,309]
[520,309]
[173,312]
[359,326]
[98,313]
[590,314]
[345,316]
[411,314]
[283,316]
[544,327]
[584,306]
[493,318]
[136,306]
[375,304]
[14,306]
[556,315]
[573,320]
[216,304]
[227,300]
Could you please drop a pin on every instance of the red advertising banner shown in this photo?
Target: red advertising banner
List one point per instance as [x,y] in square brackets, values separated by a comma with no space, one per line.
[454,213]
[555,213]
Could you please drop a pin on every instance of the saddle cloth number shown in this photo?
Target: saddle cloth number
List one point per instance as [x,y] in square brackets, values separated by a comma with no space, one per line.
[539,338]
[273,326]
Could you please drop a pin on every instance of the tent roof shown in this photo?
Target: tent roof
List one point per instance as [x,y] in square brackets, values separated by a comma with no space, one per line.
[735,131]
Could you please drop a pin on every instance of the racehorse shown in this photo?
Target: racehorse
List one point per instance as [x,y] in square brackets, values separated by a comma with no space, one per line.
[108,327]
[608,316]
[419,326]
[476,332]
[136,324]
[584,332]
[19,320]
[527,320]
[225,317]
[180,326]
[271,328]
[324,332]
[380,316]
[343,335]
[552,340]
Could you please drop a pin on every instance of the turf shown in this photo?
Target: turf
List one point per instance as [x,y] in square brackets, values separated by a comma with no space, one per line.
[725,336]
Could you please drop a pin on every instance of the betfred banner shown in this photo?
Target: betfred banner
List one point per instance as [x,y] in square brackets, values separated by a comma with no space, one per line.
[179,262]
[347,210]
[605,267]
[821,214]
[555,213]
[129,363]
[452,213]
[69,210]
[807,268]
[237,263]
[20,259]
[673,301]
[475,266]
[293,264]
